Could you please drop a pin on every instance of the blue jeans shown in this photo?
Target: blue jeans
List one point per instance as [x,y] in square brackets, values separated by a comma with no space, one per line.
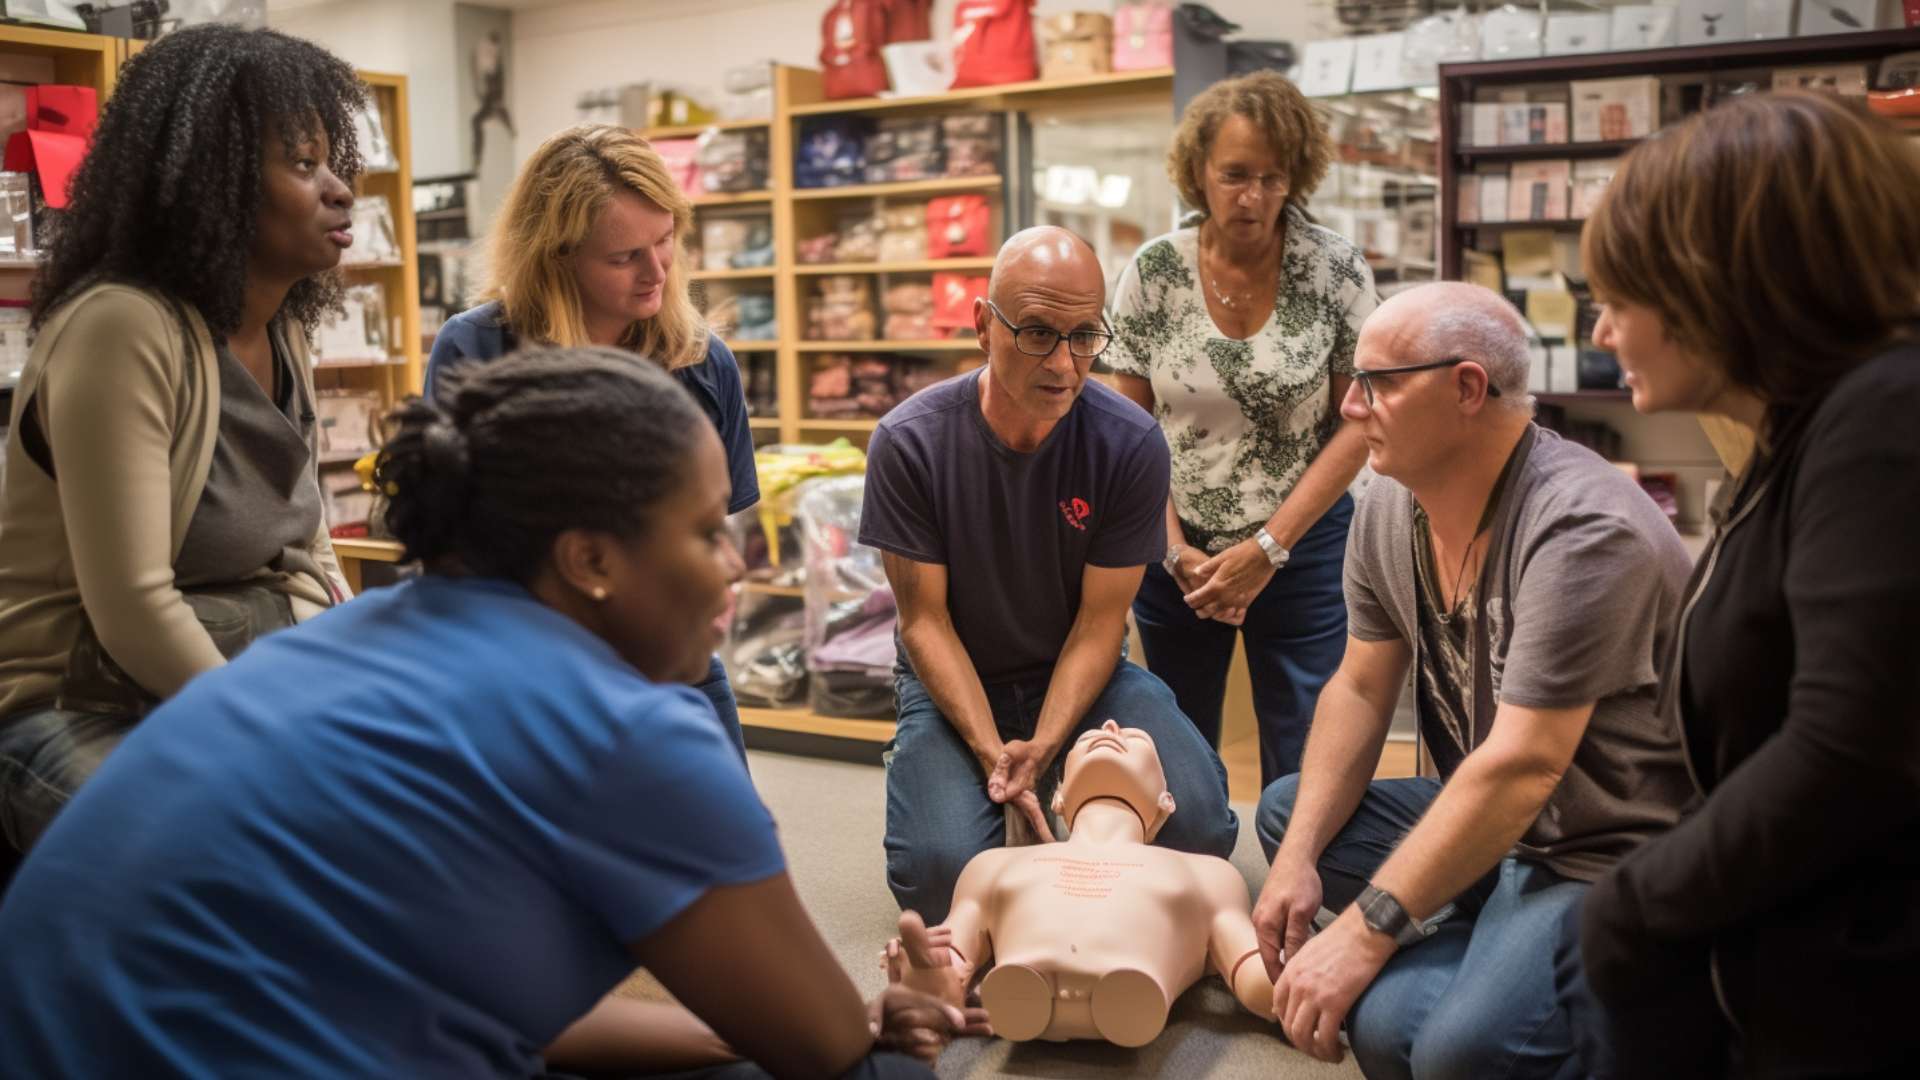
[938,813]
[1295,630]
[720,694]
[45,755]
[1476,1000]
[878,1065]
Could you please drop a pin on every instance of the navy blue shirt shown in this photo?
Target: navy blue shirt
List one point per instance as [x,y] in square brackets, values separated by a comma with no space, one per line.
[1016,530]
[482,334]
[412,837]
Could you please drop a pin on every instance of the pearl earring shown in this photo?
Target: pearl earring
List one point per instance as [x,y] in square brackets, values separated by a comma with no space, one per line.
[600,593]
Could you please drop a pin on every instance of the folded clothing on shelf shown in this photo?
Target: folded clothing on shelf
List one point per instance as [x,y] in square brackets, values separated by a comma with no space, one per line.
[859,234]
[846,387]
[958,226]
[830,151]
[909,308]
[682,158]
[841,308]
[816,250]
[905,149]
[734,161]
[953,297]
[972,144]
[904,233]
[735,242]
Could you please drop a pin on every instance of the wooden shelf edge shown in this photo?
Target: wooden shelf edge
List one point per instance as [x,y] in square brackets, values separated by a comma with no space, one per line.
[730,275]
[682,131]
[934,345]
[756,345]
[367,549]
[806,722]
[1525,151]
[1136,81]
[918,266]
[764,423]
[810,424]
[940,186]
[732,198]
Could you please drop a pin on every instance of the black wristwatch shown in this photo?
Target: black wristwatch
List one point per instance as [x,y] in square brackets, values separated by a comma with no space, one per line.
[1384,914]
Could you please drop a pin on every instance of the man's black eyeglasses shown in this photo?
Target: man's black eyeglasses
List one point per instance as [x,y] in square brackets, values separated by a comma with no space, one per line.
[1037,340]
[1366,376]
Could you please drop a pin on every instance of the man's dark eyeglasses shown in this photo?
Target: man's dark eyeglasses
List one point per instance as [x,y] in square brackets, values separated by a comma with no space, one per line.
[1365,377]
[1037,340]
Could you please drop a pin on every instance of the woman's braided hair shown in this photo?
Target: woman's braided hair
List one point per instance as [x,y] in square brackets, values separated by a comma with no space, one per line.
[529,446]
[169,192]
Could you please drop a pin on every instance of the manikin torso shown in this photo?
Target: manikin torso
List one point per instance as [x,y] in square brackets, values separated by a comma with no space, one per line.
[1096,936]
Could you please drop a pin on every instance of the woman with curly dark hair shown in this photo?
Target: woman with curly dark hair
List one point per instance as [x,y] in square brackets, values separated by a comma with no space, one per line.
[161,508]
[1237,333]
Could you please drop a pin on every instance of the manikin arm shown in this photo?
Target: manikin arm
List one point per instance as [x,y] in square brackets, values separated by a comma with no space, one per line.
[1232,948]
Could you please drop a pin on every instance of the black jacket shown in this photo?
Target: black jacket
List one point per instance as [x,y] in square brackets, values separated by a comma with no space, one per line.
[1778,928]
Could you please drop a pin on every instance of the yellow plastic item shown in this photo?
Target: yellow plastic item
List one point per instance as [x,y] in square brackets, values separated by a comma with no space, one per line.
[782,468]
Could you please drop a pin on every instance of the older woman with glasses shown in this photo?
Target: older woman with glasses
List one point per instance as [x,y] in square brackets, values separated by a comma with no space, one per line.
[1237,333]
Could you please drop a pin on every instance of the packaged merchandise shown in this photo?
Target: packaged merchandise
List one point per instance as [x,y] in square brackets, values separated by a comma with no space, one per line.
[841,309]
[851,34]
[959,226]
[1076,44]
[1605,110]
[733,161]
[953,297]
[859,237]
[993,42]
[829,151]
[972,142]
[1142,37]
[904,235]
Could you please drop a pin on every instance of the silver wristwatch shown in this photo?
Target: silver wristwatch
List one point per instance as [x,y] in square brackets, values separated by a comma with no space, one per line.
[1172,558]
[1276,554]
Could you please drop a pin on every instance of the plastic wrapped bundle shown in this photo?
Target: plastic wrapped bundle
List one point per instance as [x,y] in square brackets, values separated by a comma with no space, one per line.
[850,612]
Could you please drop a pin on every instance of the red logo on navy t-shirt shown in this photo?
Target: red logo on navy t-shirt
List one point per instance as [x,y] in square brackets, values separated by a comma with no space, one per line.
[1076,512]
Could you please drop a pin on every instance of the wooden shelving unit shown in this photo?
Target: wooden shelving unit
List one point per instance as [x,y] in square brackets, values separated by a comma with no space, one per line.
[1461,84]
[403,372]
[691,131]
[797,213]
[78,60]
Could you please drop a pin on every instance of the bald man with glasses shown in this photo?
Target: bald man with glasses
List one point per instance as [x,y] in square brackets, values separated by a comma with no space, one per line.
[1531,587]
[1016,507]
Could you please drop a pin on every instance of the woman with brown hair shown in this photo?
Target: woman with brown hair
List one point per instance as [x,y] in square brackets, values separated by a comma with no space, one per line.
[1761,263]
[1237,333]
[587,251]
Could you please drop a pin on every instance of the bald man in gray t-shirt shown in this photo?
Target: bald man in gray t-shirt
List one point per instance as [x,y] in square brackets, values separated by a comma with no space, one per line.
[1531,588]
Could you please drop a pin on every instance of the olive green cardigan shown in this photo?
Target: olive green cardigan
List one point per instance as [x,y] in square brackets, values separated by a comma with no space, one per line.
[130,408]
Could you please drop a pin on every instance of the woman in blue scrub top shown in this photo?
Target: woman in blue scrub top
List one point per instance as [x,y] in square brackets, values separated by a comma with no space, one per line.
[426,833]
[586,251]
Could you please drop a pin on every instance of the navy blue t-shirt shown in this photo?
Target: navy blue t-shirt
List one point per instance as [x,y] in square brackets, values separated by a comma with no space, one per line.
[482,334]
[412,837]
[1016,530]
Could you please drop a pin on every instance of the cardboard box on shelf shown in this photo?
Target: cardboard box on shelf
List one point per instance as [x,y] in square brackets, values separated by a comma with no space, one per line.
[1605,110]
[1590,180]
[1537,190]
[1075,44]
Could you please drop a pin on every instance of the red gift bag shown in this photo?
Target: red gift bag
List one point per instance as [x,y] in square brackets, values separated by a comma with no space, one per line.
[851,34]
[909,20]
[953,297]
[993,43]
[958,225]
[60,122]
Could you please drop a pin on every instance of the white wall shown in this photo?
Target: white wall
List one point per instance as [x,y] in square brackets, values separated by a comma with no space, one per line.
[405,37]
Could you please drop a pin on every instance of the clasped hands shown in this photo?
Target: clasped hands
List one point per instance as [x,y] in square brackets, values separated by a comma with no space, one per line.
[1224,586]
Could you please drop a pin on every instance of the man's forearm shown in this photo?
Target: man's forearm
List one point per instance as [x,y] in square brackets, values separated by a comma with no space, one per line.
[1086,665]
[1343,748]
[942,665]
[1326,478]
[1485,808]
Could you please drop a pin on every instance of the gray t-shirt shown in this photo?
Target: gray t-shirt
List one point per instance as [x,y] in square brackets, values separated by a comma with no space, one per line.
[1575,603]
[262,497]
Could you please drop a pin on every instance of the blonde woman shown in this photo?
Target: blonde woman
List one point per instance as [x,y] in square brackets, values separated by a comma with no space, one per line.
[586,251]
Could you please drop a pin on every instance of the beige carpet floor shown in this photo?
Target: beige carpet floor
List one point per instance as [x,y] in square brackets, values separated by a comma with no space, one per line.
[830,817]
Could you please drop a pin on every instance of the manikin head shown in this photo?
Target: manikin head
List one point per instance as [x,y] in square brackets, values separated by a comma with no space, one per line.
[1112,762]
